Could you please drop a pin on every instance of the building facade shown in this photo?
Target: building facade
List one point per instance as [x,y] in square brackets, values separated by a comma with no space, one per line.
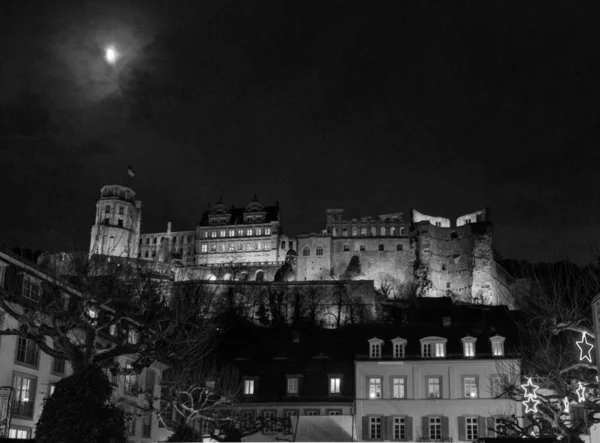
[421,387]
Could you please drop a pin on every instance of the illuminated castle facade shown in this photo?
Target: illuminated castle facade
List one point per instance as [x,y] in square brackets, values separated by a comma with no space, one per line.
[247,243]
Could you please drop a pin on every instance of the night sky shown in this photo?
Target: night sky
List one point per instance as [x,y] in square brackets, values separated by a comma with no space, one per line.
[366,106]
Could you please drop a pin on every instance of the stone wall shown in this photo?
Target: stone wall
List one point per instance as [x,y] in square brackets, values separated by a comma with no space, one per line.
[310,265]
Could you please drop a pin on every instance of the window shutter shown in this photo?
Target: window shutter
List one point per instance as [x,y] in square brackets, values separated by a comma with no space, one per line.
[445,428]
[409,429]
[482,427]
[365,428]
[389,430]
[461,429]
[425,428]
[384,433]
[491,426]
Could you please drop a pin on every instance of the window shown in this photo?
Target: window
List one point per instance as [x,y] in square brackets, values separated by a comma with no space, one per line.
[435,428]
[231,247]
[223,232]
[249,386]
[266,246]
[381,248]
[319,250]
[363,231]
[240,247]
[335,384]
[283,245]
[24,395]
[375,348]
[258,231]
[468,220]
[147,426]
[133,336]
[448,285]
[247,419]
[497,345]
[270,417]
[373,231]
[496,386]
[132,421]
[438,223]
[398,387]
[344,232]
[248,232]
[398,347]
[433,347]
[248,247]
[399,428]
[383,231]
[399,247]
[334,412]
[232,232]
[346,248]
[306,251]
[469,346]
[19,433]
[312,412]
[392,230]
[293,385]
[471,428]
[427,350]
[240,232]
[205,234]
[288,414]
[470,386]
[374,428]
[374,387]
[362,248]
[107,210]
[213,234]
[31,290]
[500,426]
[27,352]
[434,387]
[354,231]
[130,380]
[121,210]
[267,231]
[58,366]
[401,231]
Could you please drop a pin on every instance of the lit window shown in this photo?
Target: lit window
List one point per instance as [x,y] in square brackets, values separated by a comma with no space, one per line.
[232,232]
[248,231]
[393,230]
[374,428]
[335,384]
[249,386]
[213,234]
[19,434]
[363,231]
[24,395]
[319,250]
[231,247]
[399,428]
[258,231]
[398,387]
[433,347]
[399,349]
[434,387]
[205,234]
[306,251]
[470,387]
[497,345]
[374,387]
[267,231]
[471,428]
[223,233]
[440,350]
[383,231]
[435,428]
[107,210]
[204,247]
[469,349]
[240,232]
[292,385]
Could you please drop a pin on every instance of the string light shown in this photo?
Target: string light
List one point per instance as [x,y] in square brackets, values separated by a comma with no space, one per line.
[531,405]
[581,393]
[585,348]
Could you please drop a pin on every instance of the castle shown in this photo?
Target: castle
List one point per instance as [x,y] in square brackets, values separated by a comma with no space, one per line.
[247,243]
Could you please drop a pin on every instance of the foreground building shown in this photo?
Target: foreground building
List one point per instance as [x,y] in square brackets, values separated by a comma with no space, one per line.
[28,375]
[248,244]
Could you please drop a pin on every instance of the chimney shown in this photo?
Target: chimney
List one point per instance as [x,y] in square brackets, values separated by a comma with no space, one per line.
[446,322]
[168,227]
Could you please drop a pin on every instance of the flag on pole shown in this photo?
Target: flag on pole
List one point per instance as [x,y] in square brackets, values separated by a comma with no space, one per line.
[131,172]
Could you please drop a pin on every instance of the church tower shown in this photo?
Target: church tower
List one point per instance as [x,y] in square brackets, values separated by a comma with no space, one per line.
[116,231]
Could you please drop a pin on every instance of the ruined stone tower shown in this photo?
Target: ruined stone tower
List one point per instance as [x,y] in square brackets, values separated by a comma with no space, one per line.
[116,231]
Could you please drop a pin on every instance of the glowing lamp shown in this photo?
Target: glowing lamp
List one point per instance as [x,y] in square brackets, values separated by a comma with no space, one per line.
[531,405]
[111,54]
[580,393]
[530,389]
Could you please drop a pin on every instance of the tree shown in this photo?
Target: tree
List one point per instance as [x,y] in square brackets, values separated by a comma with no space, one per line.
[555,328]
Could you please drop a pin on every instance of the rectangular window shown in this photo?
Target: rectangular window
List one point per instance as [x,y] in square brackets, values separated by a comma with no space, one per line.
[381,247]
[497,386]
[374,428]
[248,386]
[434,387]
[399,429]
[362,248]
[470,387]
[130,381]
[27,352]
[398,350]
[335,384]
[376,350]
[427,350]
[374,387]
[497,348]
[213,234]
[58,366]
[240,247]
[258,231]
[223,233]
[363,231]
[334,412]
[31,290]
[24,395]
[312,412]
[19,433]
[282,245]
[435,428]
[469,349]
[346,248]
[471,428]
[248,231]
[133,336]
[267,231]
[288,414]
[398,387]
[354,231]
[448,285]
[292,385]
[231,232]
[374,231]
[440,350]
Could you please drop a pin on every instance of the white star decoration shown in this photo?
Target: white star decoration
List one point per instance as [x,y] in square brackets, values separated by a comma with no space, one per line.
[585,348]
[529,388]
[531,405]
[581,393]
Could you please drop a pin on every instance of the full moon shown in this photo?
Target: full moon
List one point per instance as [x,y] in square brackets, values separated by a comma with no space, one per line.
[111,55]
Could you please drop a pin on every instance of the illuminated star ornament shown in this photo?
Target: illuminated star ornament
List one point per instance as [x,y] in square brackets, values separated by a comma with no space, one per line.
[585,348]
[531,405]
[111,54]
[580,393]
[530,389]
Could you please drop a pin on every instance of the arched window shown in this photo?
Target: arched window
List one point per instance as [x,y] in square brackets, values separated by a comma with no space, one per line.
[244,276]
[383,231]
[319,250]
[260,276]
[306,251]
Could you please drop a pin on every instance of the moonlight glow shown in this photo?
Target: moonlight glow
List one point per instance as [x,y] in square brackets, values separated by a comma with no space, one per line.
[111,54]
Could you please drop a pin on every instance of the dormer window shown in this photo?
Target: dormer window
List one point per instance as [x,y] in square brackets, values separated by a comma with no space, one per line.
[497,345]
[433,347]
[398,347]
[375,345]
[469,346]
